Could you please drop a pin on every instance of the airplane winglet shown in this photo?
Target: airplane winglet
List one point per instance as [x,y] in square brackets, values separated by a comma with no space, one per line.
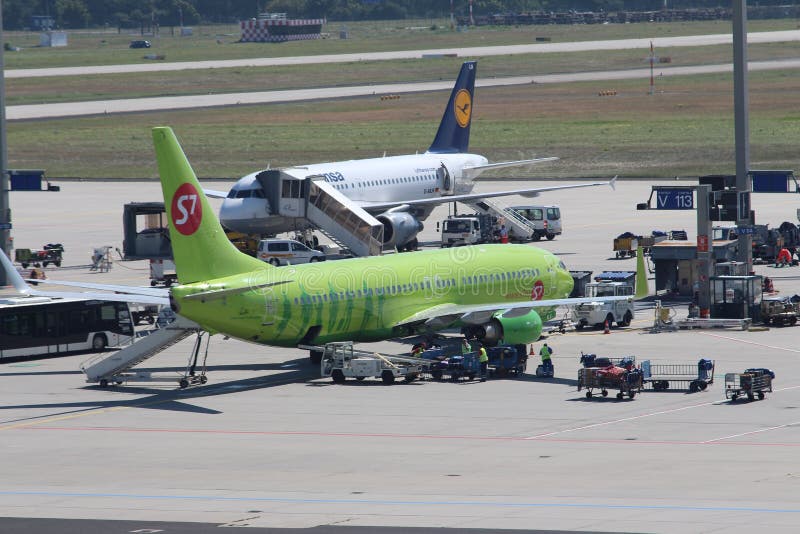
[13,276]
[613,183]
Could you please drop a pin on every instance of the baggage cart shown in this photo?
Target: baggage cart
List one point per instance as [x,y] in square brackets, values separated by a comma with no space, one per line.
[626,246]
[592,360]
[625,382]
[456,367]
[678,376]
[506,360]
[754,383]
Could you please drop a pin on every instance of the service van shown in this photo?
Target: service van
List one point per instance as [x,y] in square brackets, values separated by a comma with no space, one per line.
[546,220]
[287,251]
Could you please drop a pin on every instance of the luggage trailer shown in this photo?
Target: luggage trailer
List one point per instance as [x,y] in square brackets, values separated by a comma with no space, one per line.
[690,377]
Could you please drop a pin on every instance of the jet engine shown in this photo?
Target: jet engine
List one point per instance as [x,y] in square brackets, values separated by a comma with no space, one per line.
[400,228]
[510,327]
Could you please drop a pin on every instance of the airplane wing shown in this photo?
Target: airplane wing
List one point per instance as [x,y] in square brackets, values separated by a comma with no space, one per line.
[445,314]
[142,295]
[531,192]
[473,172]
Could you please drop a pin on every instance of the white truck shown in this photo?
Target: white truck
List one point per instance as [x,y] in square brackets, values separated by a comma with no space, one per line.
[340,361]
[598,313]
[460,230]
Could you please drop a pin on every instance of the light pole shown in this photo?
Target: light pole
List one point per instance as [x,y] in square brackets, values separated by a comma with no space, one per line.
[5,209]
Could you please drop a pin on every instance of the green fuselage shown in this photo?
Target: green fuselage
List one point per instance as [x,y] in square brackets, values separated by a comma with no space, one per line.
[364,299]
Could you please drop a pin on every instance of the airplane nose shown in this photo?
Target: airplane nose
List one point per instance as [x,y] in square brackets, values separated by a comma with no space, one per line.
[565,283]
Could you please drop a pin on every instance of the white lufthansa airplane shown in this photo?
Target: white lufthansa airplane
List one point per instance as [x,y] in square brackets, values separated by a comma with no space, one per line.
[399,191]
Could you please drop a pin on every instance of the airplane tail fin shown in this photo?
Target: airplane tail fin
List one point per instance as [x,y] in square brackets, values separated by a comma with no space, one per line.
[641,275]
[200,247]
[453,134]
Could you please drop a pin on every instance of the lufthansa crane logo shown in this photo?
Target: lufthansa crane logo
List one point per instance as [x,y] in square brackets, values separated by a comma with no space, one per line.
[462,105]
[187,210]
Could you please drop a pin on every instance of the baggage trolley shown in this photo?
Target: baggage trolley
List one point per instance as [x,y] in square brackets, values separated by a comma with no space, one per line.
[689,376]
[455,367]
[627,383]
[593,360]
[753,382]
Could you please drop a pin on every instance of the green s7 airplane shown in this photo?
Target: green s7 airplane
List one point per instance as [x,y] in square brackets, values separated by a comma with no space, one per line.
[496,292]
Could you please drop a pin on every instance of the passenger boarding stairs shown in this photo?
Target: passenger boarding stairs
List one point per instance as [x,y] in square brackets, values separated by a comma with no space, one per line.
[519,228]
[106,369]
[340,219]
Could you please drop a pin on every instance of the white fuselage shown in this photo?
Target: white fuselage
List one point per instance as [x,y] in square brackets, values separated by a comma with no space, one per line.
[367,182]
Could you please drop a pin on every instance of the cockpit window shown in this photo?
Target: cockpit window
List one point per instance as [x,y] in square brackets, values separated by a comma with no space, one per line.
[246,193]
[562,266]
[232,193]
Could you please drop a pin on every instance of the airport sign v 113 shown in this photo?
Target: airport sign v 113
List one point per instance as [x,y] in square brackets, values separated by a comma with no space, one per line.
[674,199]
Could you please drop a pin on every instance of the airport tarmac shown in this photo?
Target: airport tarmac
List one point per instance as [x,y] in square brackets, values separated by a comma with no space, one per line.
[266,443]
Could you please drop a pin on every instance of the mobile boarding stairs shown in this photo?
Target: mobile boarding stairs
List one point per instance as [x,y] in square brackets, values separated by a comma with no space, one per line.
[105,369]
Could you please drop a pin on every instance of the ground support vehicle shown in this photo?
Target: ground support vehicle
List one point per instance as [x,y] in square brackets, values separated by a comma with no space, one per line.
[455,367]
[340,361]
[767,242]
[599,313]
[163,273]
[505,360]
[287,251]
[626,244]
[753,382]
[460,230]
[689,376]
[545,221]
[610,378]
[50,253]
[779,311]
[144,313]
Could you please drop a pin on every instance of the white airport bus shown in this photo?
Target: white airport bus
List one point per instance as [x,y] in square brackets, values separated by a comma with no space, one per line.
[41,326]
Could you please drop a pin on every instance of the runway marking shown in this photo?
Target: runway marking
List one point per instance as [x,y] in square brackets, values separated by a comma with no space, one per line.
[787,349]
[400,502]
[29,424]
[615,421]
[357,435]
[751,432]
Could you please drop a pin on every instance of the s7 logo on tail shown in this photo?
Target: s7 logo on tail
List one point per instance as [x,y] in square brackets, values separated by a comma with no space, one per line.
[187,211]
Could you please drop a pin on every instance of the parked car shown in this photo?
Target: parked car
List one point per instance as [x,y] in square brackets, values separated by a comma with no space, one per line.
[140,44]
[285,251]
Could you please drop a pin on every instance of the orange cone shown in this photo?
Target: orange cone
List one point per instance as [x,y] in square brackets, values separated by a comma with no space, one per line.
[531,353]
[607,329]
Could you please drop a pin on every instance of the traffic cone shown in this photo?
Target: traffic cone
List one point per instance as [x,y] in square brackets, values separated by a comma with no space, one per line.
[607,327]
[531,353]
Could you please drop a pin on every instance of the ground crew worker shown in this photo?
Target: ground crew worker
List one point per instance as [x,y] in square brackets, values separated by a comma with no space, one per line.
[483,359]
[545,352]
[466,348]
[784,258]
[503,234]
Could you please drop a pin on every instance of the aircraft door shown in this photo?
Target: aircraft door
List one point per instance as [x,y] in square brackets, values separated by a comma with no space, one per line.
[293,197]
[445,180]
